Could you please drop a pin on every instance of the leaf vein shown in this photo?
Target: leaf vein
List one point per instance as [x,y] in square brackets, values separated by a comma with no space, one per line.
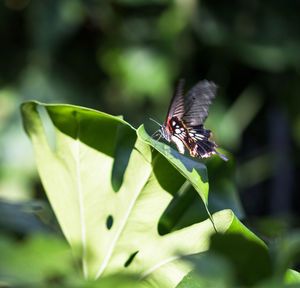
[81,204]
[119,231]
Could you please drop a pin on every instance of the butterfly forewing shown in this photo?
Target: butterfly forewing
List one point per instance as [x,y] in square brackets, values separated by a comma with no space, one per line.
[176,108]
[197,102]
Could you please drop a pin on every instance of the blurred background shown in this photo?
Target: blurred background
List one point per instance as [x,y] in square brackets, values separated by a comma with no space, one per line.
[125,56]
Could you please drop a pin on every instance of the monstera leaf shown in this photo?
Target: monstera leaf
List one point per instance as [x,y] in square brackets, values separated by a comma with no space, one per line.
[108,192]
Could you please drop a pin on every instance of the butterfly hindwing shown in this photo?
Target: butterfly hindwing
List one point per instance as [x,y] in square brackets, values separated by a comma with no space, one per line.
[202,146]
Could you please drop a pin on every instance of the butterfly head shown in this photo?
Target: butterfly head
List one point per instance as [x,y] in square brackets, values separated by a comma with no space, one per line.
[165,132]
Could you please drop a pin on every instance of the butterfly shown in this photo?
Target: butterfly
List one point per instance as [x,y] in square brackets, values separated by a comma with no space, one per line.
[185,118]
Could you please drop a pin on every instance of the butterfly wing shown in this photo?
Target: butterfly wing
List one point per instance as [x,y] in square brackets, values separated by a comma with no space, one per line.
[197,101]
[177,108]
[185,118]
[203,146]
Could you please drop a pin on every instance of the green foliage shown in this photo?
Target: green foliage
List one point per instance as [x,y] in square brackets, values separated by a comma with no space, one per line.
[126,66]
[45,260]
[235,261]
[108,191]
[124,57]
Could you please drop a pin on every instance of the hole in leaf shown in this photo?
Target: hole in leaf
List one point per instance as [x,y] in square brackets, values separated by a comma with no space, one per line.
[130,259]
[109,222]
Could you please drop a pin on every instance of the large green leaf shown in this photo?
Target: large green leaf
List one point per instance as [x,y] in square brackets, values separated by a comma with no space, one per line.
[108,195]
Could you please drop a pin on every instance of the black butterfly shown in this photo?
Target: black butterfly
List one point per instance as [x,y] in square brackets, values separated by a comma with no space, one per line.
[185,118]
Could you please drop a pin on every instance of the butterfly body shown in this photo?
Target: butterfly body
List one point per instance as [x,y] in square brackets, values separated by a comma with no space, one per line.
[176,131]
[185,118]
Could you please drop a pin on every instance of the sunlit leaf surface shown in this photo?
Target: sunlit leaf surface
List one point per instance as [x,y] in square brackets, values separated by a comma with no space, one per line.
[108,195]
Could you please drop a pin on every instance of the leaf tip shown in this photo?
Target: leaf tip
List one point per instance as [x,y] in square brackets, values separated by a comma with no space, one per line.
[28,110]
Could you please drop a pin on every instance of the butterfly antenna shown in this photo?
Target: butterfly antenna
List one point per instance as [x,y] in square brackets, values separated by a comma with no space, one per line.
[155,122]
